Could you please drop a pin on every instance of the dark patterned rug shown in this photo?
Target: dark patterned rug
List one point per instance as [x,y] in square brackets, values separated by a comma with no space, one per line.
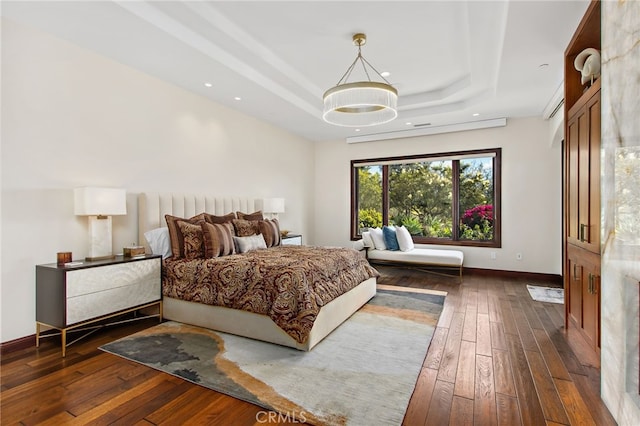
[363,373]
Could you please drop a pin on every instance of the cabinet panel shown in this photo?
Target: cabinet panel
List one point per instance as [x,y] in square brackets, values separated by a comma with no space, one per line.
[574,290]
[593,235]
[591,303]
[573,222]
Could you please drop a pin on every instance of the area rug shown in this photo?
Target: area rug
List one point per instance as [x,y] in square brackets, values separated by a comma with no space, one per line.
[546,294]
[363,373]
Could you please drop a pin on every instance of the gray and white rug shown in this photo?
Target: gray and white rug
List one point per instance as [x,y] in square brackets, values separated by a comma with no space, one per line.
[546,294]
[363,373]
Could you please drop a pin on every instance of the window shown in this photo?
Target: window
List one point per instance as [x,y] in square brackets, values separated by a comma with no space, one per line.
[449,198]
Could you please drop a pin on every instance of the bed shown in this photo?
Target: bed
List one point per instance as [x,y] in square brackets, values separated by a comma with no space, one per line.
[152,208]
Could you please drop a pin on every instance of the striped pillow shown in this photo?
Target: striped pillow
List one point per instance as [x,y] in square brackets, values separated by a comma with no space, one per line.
[218,239]
[270,230]
[212,218]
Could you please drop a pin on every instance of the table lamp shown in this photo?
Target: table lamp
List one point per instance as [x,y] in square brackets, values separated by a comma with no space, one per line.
[100,204]
[273,206]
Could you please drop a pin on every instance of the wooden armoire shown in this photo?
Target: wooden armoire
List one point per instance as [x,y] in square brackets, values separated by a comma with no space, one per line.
[582,186]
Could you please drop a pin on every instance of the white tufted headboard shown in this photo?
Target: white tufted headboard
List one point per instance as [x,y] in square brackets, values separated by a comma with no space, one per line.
[152,206]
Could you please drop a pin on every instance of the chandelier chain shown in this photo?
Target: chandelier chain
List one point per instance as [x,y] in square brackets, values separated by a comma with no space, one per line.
[364,62]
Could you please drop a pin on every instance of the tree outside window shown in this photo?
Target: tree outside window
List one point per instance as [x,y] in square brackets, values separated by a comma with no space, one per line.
[448,198]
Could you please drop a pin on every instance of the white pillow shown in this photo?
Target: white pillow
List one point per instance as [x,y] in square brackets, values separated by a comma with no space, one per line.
[404,238]
[159,241]
[252,242]
[366,240]
[378,238]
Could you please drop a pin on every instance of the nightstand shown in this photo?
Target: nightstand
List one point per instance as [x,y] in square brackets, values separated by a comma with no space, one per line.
[292,240]
[74,296]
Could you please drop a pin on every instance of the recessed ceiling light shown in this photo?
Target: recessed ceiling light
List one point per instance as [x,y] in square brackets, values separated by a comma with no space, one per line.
[408,123]
[475,114]
[385,73]
[357,130]
[208,84]
[238,98]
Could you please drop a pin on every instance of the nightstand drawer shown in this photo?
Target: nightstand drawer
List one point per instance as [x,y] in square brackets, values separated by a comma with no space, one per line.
[93,280]
[92,305]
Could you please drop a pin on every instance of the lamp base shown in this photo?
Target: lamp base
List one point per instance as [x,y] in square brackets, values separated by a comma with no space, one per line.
[93,259]
[100,238]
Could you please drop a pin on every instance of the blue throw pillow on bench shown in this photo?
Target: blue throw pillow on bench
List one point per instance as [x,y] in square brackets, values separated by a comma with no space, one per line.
[390,238]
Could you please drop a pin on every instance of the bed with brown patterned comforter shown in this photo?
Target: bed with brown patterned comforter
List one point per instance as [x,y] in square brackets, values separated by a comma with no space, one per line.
[289,284]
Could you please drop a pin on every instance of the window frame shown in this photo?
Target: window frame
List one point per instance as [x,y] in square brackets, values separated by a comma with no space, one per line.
[455,156]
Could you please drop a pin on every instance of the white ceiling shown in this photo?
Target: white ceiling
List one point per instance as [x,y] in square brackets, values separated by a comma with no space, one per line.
[448,60]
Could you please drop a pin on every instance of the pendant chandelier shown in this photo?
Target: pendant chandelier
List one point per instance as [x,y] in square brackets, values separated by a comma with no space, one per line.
[362,103]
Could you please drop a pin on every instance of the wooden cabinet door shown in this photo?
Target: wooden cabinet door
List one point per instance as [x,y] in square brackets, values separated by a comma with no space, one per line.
[583,176]
[572,164]
[591,302]
[592,236]
[573,289]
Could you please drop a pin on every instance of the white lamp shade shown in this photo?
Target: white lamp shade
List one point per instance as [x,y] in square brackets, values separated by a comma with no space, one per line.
[273,205]
[100,201]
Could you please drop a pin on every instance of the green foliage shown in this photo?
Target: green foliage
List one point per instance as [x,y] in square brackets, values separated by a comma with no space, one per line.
[479,232]
[412,224]
[369,218]
[438,227]
[420,190]
[370,188]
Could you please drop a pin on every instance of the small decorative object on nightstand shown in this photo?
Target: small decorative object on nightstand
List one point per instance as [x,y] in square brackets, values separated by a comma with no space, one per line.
[133,251]
[76,296]
[292,240]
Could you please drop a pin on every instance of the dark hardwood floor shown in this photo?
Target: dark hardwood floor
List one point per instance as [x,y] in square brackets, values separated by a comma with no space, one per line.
[496,357]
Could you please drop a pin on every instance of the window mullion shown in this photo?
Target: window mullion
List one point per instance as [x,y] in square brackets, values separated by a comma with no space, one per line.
[455,199]
[385,195]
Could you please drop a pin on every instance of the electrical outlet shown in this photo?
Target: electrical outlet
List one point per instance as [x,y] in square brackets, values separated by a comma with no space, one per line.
[493,255]
[518,256]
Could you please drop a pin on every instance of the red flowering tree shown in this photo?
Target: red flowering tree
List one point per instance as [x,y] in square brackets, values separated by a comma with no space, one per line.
[477,222]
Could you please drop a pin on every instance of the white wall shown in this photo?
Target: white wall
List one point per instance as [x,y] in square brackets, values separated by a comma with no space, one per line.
[72,118]
[531,190]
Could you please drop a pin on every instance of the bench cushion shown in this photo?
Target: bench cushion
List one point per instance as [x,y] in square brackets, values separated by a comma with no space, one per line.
[420,255]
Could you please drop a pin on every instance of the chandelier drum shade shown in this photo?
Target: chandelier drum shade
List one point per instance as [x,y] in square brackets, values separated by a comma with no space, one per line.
[362,103]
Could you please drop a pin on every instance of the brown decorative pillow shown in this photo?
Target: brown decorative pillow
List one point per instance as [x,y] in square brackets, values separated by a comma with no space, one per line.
[218,239]
[177,242]
[193,240]
[244,228]
[250,216]
[227,218]
[270,230]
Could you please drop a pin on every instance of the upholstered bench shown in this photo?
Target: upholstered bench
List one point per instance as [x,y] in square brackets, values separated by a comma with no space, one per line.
[411,255]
